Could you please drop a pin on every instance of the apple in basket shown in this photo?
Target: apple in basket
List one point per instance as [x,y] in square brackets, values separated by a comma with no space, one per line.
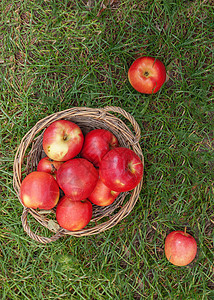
[96,144]
[77,178]
[62,140]
[73,215]
[39,190]
[49,165]
[121,169]
[147,74]
[102,195]
[180,248]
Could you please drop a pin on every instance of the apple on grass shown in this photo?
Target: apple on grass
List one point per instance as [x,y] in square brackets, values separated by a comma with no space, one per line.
[77,178]
[147,74]
[73,215]
[96,144]
[49,165]
[39,190]
[121,169]
[62,140]
[180,248]
[102,195]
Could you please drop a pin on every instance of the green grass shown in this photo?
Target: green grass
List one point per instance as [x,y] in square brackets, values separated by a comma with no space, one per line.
[59,54]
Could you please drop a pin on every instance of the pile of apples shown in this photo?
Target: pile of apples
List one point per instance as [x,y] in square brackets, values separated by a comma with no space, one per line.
[83,169]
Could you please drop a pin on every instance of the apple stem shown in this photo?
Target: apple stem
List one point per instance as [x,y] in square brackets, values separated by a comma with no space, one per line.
[185,230]
[53,169]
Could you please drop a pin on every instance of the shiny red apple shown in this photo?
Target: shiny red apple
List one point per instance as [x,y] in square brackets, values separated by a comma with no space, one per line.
[73,215]
[77,178]
[39,190]
[97,143]
[49,165]
[121,169]
[102,195]
[180,248]
[62,140]
[147,74]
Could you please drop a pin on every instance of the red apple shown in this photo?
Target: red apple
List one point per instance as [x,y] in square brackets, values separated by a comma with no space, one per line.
[62,140]
[180,248]
[121,169]
[49,165]
[73,215]
[102,195]
[77,178]
[39,190]
[147,74]
[96,144]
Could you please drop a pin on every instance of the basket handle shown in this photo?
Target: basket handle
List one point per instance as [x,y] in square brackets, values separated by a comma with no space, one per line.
[129,117]
[38,238]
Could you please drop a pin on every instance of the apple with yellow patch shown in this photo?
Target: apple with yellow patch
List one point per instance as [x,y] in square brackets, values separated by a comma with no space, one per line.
[62,140]
[121,169]
[39,190]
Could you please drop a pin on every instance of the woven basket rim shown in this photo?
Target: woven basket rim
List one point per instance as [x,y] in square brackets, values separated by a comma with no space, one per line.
[105,117]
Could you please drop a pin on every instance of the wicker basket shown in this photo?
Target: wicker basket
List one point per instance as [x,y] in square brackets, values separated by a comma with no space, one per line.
[30,152]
